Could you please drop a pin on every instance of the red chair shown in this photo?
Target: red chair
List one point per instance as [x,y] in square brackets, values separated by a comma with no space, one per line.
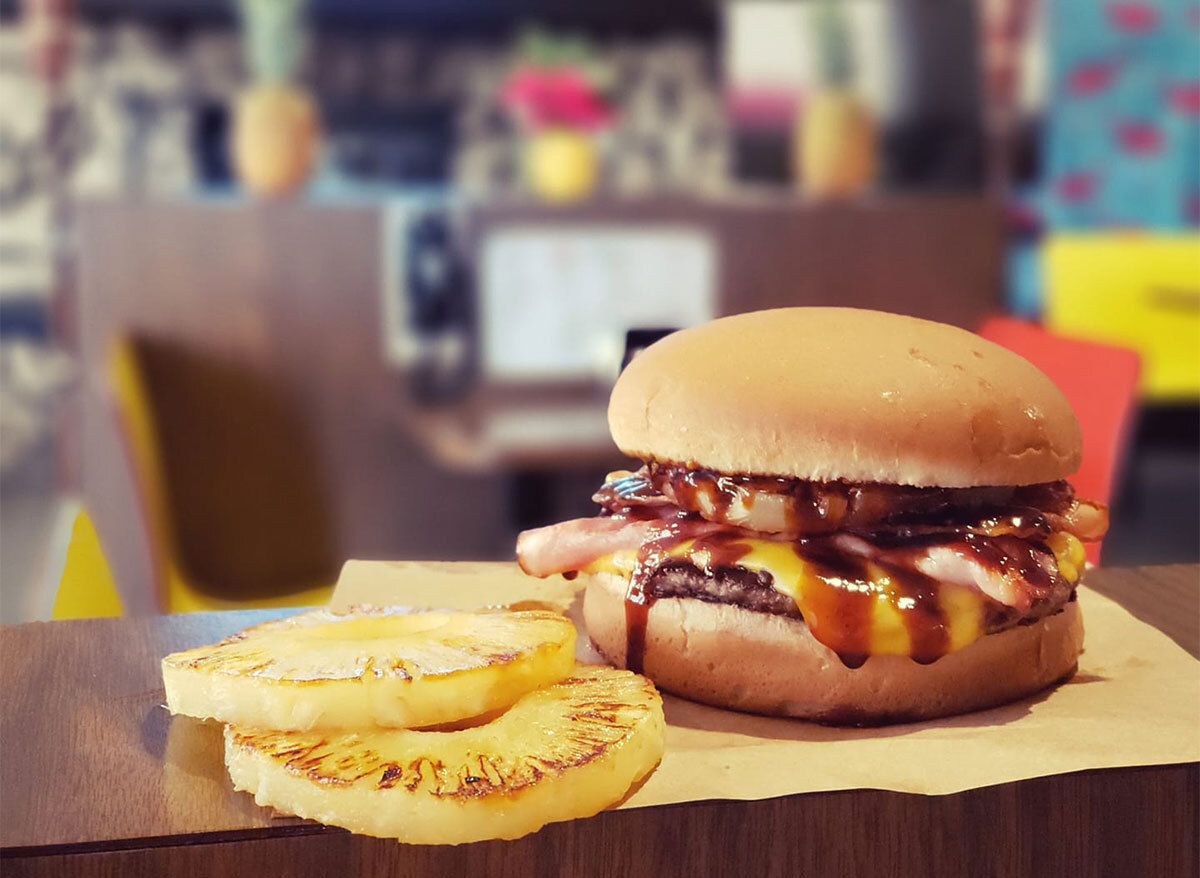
[1099,380]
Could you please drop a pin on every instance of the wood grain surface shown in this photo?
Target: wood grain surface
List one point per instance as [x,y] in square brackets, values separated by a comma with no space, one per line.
[95,779]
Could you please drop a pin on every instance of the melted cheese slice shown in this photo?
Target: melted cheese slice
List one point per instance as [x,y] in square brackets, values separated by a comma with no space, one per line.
[893,615]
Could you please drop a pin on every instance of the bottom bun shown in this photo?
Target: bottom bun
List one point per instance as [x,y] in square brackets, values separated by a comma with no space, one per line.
[726,656]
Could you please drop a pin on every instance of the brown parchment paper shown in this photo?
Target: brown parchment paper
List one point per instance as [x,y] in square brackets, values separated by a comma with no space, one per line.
[1135,701]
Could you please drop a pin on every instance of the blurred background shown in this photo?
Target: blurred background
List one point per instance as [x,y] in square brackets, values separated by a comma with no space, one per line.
[284,283]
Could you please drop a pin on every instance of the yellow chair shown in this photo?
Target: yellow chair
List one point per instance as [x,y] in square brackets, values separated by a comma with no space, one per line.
[86,588]
[230,512]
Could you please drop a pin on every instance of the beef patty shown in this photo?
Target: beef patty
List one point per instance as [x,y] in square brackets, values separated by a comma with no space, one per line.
[754,591]
[743,588]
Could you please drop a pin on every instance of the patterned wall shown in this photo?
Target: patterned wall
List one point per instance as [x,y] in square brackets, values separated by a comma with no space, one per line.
[1123,135]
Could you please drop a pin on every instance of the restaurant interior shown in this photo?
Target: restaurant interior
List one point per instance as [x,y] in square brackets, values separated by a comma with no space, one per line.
[288,283]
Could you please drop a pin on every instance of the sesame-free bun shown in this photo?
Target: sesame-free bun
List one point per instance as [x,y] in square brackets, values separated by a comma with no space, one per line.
[726,656]
[843,393]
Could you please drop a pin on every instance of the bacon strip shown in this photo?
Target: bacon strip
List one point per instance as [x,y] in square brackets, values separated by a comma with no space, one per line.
[570,545]
[1086,519]
[1013,584]
[1013,588]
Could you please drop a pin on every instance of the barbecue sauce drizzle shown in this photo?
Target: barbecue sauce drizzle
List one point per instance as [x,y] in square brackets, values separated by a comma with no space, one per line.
[840,605]
[650,557]
[840,600]
[820,508]
[638,599]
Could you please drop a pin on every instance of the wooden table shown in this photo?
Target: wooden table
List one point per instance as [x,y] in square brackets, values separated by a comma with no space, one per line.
[96,779]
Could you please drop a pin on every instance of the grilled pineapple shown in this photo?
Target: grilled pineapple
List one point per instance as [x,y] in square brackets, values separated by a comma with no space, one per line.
[372,666]
[562,752]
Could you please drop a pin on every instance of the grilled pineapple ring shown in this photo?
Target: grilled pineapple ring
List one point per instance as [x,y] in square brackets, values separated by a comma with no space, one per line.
[565,751]
[372,666]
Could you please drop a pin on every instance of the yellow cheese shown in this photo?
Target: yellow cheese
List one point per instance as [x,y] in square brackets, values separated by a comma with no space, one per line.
[1069,553]
[963,608]
[889,634]
[960,608]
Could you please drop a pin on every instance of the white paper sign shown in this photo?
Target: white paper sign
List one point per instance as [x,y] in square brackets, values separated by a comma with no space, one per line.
[555,303]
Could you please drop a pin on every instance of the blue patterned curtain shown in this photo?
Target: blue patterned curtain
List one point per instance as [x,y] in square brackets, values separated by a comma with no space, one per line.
[1123,131]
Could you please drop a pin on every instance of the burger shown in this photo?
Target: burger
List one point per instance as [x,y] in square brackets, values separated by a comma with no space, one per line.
[843,515]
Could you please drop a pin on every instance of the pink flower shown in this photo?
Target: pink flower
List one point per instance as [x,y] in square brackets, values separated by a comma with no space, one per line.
[544,96]
[1090,77]
[1076,186]
[1139,138]
[1023,218]
[1192,207]
[1132,16]
[1184,97]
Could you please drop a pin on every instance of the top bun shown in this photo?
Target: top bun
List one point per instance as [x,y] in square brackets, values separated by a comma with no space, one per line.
[842,393]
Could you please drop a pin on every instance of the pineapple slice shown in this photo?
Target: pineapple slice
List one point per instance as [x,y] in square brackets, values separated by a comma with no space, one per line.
[371,666]
[562,752]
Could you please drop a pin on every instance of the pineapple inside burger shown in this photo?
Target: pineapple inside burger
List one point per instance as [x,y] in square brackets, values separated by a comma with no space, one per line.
[842,515]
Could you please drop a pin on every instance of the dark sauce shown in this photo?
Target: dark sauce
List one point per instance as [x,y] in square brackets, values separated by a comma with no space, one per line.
[816,508]
[917,598]
[838,610]
[638,599]
[719,491]
[838,604]
[637,610]
[628,489]
[637,604]
[813,507]
[1010,556]
[724,550]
